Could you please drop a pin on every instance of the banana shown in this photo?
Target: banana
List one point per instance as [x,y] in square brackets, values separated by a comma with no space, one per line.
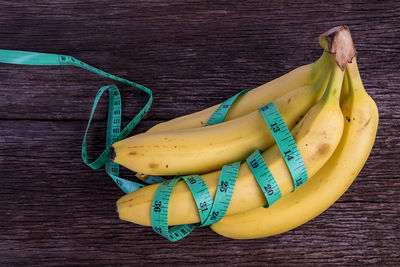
[316,136]
[302,76]
[251,101]
[200,150]
[343,95]
[328,184]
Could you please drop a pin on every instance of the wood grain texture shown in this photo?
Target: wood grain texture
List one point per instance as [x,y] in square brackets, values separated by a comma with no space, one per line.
[56,211]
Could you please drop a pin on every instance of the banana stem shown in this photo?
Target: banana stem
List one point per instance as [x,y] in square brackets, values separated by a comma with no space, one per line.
[338,41]
[319,66]
[332,94]
[321,83]
[353,74]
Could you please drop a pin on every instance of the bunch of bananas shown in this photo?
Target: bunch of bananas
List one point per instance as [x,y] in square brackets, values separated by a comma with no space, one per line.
[329,114]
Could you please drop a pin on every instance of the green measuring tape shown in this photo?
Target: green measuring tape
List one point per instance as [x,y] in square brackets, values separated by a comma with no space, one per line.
[210,210]
[114,114]
[219,115]
[257,165]
[264,177]
[286,144]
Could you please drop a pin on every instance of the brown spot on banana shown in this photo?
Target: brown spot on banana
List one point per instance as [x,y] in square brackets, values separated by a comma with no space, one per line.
[153,165]
[132,153]
[366,124]
[323,149]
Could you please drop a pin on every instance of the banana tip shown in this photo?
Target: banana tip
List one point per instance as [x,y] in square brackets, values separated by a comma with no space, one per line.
[112,153]
[121,209]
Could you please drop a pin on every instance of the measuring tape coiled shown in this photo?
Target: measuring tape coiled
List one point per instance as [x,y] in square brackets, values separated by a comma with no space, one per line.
[114,114]
[224,193]
[258,167]
[210,210]
[159,213]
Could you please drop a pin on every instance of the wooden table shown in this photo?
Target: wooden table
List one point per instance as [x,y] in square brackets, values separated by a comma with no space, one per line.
[54,210]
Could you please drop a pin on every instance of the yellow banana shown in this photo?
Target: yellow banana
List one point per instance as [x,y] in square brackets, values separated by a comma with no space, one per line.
[175,124]
[204,149]
[328,184]
[343,94]
[316,136]
[267,93]
[302,76]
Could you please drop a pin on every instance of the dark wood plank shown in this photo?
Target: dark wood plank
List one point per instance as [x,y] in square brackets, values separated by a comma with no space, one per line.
[186,57]
[54,210]
[63,209]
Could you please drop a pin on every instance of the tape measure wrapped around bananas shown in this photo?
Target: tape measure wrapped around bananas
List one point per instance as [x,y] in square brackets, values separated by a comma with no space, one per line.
[261,163]
[286,166]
